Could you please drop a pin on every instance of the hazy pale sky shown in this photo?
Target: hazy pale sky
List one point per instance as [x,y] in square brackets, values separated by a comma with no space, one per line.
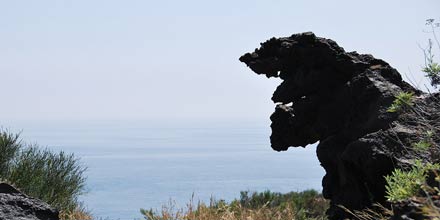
[104,59]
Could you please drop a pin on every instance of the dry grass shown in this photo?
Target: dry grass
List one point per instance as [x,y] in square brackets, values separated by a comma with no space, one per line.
[235,210]
[77,214]
[376,212]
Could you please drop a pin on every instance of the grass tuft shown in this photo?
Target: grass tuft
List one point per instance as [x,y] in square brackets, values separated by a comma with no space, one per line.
[403,100]
[56,178]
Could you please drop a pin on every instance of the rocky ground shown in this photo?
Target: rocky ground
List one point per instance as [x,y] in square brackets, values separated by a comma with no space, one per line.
[18,206]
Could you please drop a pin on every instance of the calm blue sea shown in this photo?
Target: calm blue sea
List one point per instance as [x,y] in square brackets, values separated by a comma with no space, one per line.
[140,164]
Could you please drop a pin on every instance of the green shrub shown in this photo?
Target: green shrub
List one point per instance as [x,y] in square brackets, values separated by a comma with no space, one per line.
[422,145]
[425,143]
[403,100]
[273,199]
[308,203]
[9,148]
[56,178]
[432,68]
[402,184]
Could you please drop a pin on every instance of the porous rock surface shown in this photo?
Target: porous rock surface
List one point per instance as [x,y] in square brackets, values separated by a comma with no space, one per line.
[341,99]
[15,205]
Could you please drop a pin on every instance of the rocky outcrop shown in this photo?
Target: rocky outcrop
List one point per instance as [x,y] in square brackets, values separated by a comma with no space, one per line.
[16,205]
[340,99]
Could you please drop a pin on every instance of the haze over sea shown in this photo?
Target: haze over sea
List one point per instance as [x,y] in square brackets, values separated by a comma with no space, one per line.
[141,164]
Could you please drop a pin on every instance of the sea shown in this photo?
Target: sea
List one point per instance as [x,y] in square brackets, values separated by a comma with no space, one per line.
[138,164]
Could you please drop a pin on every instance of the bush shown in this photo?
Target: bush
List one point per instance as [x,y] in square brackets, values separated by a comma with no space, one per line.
[56,178]
[402,185]
[403,100]
[425,143]
[273,199]
[9,148]
[432,68]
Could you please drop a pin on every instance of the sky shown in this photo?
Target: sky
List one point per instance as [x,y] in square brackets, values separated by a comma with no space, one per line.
[178,60]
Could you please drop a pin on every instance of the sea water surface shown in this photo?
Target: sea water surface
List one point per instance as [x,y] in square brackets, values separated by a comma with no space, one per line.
[141,164]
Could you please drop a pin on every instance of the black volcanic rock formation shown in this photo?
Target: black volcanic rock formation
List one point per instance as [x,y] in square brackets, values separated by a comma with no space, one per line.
[340,99]
[16,205]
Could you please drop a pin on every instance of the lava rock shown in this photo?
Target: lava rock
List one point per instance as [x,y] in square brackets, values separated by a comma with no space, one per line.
[341,99]
[15,205]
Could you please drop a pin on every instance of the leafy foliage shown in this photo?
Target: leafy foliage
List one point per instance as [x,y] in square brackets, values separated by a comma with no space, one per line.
[405,184]
[425,143]
[422,145]
[402,185]
[56,178]
[432,68]
[432,71]
[403,100]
